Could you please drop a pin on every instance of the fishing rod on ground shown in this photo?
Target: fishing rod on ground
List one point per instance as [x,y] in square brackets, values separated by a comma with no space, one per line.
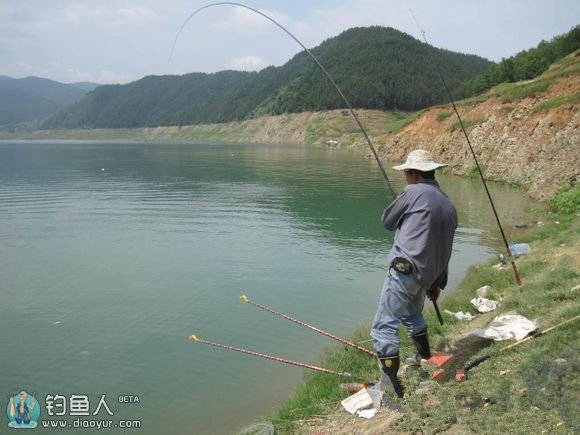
[244,298]
[270,357]
[509,252]
[350,108]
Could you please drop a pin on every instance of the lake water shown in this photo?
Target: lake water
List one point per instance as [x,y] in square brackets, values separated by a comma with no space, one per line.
[112,254]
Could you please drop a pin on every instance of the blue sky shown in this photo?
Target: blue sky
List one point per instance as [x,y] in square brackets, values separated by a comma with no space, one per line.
[108,41]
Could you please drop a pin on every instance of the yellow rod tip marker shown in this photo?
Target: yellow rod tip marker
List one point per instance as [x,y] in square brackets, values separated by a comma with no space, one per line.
[193,338]
[244,298]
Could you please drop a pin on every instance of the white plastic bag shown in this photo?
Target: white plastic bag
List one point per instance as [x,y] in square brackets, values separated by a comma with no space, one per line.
[509,326]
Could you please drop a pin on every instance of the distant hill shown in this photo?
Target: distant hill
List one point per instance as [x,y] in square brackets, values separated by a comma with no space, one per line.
[85,86]
[6,78]
[376,67]
[33,99]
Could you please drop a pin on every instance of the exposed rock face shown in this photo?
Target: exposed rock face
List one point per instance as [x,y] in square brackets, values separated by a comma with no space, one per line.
[517,141]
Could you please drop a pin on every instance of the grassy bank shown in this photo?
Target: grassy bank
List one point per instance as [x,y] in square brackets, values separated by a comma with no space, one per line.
[531,388]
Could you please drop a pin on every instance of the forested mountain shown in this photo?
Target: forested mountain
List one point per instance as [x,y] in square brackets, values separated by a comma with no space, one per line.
[523,66]
[376,67]
[150,101]
[33,98]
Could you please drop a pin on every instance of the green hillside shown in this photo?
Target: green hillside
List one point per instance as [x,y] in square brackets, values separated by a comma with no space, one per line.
[33,98]
[523,66]
[151,101]
[376,67]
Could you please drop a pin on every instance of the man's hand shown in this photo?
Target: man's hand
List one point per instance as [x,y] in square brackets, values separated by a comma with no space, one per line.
[433,293]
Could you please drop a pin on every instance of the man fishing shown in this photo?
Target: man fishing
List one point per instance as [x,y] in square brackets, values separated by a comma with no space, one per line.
[424,221]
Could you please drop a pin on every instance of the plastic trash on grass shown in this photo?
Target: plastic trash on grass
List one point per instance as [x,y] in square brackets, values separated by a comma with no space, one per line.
[358,401]
[509,326]
[368,401]
[460,315]
[483,305]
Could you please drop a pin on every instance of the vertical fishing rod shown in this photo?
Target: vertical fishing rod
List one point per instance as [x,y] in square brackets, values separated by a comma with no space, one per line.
[516,274]
[313,328]
[439,317]
[270,357]
[354,115]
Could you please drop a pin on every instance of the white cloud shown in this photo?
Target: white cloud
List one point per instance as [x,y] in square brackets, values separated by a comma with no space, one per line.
[339,18]
[247,63]
[105,76]
[245,22]
[118,41]
[17,69]
[103,16]
[137,15]
[65,74]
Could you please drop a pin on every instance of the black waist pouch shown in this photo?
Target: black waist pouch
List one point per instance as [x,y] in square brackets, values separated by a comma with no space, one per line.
[402,265]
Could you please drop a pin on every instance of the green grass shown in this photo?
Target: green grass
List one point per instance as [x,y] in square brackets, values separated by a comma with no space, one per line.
[442,116]
[508,92]
[471,100]
[472,171]
[558,101]
[507,109]
[467,123]
[399,122]
[321,392]
[521,390]
[567,66]
[567,200]
[568,60]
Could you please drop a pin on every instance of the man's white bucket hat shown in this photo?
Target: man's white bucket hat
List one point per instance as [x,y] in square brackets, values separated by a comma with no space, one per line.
[419,160]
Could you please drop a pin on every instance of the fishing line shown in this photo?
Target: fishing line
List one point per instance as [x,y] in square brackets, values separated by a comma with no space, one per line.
[354,115]
[516,274]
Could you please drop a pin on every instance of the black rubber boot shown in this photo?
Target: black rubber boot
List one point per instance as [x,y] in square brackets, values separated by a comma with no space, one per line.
[390,367]
[421,340]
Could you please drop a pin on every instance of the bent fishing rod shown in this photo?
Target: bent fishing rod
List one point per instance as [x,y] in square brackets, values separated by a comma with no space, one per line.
[452,101]
[350,108]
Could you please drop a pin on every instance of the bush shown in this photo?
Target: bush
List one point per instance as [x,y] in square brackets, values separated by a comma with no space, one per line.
[566,201]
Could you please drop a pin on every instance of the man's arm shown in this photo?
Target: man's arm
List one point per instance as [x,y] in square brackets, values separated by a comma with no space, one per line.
[439,284]
[12,408]
[393,214]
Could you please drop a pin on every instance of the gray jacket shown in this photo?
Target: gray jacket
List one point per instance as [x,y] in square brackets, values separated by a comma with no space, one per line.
[424,221]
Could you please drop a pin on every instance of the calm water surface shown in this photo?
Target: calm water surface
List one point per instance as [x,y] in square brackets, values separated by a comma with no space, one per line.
[112,254]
